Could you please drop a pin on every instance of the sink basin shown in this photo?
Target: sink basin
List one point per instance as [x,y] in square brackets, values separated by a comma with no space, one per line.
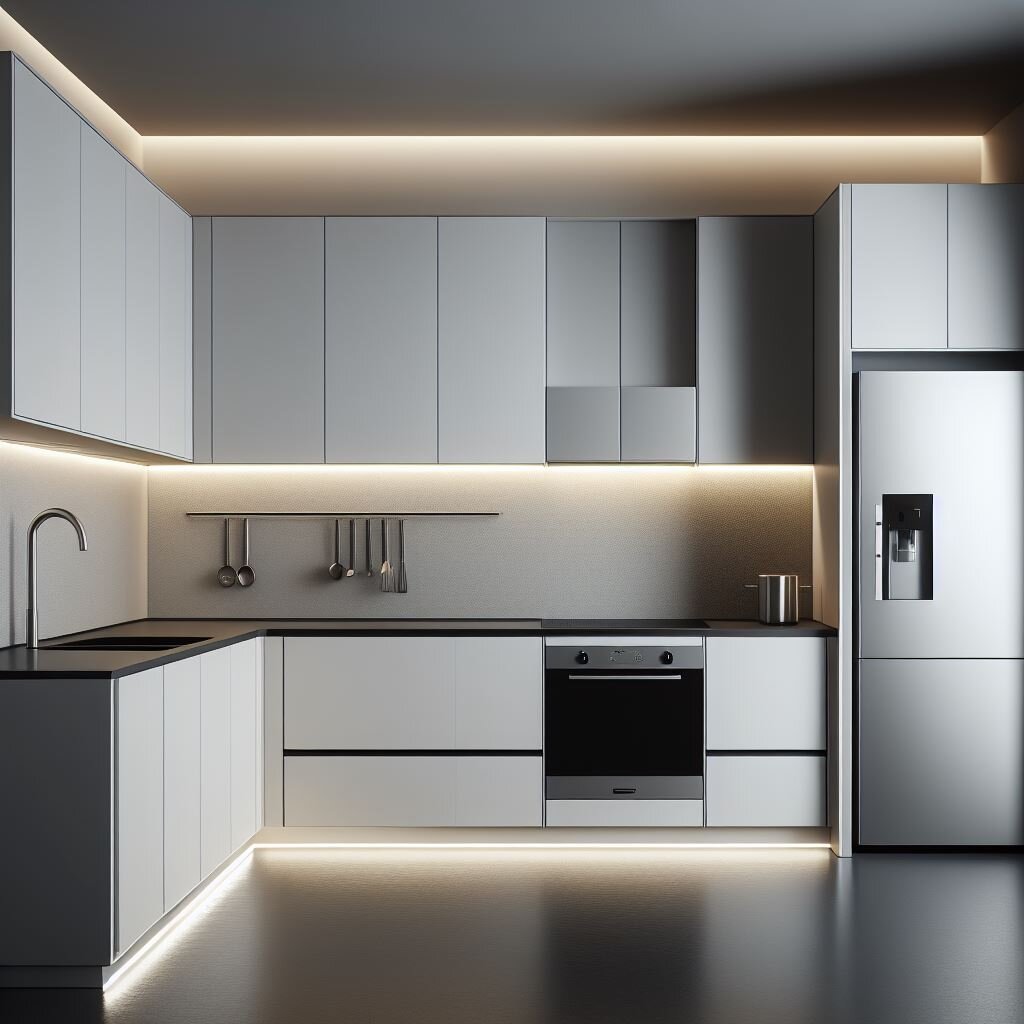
[127,643]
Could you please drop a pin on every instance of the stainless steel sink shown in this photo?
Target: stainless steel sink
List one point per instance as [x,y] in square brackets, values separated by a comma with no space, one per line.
[127,643]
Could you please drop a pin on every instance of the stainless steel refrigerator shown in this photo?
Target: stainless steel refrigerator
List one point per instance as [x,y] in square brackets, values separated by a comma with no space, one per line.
[940,458]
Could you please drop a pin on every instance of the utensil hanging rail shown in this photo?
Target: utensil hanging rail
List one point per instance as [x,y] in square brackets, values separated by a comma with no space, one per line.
[342,515]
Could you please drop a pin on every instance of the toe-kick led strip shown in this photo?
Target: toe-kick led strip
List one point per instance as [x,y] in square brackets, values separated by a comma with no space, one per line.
[207,895]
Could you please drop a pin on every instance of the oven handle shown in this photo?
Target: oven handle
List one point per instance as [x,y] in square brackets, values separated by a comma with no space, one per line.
[634,677]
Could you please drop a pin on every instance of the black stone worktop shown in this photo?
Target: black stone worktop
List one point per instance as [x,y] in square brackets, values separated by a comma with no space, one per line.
[19,662]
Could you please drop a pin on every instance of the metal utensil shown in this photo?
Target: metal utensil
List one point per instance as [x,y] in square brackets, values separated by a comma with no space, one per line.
[387,574]
[369,550]
[337,571]
[226,575]
[246,574]
[351,570]
[402,587]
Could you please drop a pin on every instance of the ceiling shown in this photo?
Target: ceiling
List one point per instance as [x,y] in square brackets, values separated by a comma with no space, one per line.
[423,67]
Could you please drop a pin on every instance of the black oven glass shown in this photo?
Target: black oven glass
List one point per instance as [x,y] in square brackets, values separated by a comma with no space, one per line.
[597,725]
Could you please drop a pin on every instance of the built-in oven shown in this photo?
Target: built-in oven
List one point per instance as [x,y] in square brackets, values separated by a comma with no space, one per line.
[624,720]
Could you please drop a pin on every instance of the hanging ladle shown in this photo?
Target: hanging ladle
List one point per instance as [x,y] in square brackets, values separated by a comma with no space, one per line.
[337,570]
[246,574]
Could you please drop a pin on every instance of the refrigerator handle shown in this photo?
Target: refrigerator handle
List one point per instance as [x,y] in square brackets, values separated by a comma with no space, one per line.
[878,552]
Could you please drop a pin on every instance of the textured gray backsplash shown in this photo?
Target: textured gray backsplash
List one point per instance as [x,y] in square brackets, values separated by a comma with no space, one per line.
[570,541]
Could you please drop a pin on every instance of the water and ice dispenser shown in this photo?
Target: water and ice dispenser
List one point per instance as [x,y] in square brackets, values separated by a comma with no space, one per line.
[903,548]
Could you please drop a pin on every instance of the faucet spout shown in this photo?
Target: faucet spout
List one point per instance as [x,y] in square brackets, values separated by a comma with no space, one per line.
[32,614]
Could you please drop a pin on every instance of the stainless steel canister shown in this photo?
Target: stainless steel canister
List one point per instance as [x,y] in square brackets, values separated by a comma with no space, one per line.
[778,598]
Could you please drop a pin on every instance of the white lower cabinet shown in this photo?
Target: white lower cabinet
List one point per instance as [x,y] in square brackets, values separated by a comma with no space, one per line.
[632,813]
[244,730]
[140,820]
[499,791]
[768,790]
[215,758]
[182,787]
[498,693]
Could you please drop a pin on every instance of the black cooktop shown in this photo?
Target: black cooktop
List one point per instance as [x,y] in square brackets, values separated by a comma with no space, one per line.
[619,625]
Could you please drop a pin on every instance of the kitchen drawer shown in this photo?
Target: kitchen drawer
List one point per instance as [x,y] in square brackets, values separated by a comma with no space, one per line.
[369,693]
[631,813]
[499,791]
[499,684]
[765,693]
[766,790]
[369,790]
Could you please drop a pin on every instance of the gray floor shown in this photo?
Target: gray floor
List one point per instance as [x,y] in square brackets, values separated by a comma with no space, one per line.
[631,937]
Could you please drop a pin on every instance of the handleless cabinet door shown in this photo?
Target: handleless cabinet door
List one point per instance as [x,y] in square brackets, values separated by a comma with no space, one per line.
[182,785]
[175,328]
[500,792]
[583,424]
[381,339]
[47,254]
[142,311]
[491,329]
[268,339]
[986,266]
[140,804]
[755,335]
[766,790]
[898,266]
[659,424]
[215,758]
[103,288]
[244,730]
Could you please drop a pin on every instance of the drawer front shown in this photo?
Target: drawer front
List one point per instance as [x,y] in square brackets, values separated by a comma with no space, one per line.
[765,693]
[374,790]
[369,693]
[629,813]
[499,791]
[499,684]
[766,791]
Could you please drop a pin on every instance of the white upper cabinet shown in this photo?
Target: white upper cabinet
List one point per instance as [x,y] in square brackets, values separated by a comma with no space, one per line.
[103,287]
[381,339]
[986,266]
[268,340]
[491,331]
[101,311]
[898,266]
[47,254]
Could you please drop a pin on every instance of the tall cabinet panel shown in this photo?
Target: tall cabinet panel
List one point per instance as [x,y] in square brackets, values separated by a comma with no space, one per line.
[898,266]
[244,715]
[142,311]
[103,288]
[755,339]
[140,820]
[659,323]
[986,266]
[215,758]
[381,339]
[583,341]
[175,327]
[268,339]
[491,329]
[47,254]
[182,786]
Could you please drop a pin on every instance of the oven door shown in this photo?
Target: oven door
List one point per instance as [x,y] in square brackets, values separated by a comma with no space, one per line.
[628,735]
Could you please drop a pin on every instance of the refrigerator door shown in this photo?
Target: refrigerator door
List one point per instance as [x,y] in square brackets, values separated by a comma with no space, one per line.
[941,462]
[941,753]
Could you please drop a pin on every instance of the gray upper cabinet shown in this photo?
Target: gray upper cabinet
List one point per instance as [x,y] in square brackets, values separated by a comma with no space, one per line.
[583,341]
[898,266]
[47,254]
[491,339]
[381,339]
[268,339]
[103,287]
[755,340]
[142,311]
[175,366]
[986,266]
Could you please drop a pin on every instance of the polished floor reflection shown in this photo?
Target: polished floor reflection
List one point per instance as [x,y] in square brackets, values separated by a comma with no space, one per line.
[594,936]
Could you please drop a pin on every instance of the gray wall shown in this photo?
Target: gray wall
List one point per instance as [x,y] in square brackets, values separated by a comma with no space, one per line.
[76,591]
[1003,149]
[570,541]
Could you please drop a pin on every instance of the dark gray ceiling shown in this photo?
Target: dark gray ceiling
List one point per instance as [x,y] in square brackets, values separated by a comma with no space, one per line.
[542,66]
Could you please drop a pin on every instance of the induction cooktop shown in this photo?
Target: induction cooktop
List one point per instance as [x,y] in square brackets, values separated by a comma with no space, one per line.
[620,625]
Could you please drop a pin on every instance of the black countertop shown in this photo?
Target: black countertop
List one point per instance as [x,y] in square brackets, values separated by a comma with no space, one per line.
[44,663]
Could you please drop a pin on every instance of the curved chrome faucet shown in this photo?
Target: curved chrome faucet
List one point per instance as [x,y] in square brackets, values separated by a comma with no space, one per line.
[32,616]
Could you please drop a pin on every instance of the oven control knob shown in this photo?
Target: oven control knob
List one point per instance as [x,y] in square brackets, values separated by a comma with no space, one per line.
[666,657]
[582,658]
